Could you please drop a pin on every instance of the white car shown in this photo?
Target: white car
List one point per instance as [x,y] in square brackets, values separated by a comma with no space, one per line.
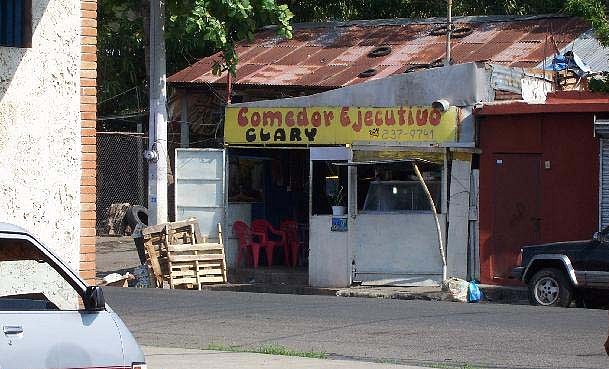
[49,317]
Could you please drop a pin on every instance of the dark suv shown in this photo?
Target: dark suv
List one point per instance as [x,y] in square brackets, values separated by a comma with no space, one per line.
[558,273]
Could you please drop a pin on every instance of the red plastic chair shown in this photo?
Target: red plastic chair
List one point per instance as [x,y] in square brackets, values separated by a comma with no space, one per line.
[290,227]
[264,228]
[246,243]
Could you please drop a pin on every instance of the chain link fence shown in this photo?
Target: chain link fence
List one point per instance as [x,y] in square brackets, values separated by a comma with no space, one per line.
[122,173]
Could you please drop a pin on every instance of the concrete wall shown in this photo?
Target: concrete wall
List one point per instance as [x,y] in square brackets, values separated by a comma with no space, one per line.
[456,252]
[235,211]
[40,129]
[402,245]
[329,254]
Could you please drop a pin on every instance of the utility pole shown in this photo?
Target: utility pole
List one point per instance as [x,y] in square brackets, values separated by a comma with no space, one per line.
[449,29]
[157,137]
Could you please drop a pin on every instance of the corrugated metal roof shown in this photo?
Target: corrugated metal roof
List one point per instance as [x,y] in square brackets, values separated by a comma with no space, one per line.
[587,47]
[334,54]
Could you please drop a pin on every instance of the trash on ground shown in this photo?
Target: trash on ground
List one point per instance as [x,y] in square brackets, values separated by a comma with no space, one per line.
[456,288]
[117,280]
[473,292]
[142,277]
[115,222]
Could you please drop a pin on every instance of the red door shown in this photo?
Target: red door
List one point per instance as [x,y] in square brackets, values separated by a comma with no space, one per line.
[516,209]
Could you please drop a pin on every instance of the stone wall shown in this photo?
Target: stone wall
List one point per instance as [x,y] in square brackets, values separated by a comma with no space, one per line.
[41,155]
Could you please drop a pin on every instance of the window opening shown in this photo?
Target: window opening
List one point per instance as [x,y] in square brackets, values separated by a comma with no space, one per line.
[29,282]
[329,186]
[15,23]
[394,187]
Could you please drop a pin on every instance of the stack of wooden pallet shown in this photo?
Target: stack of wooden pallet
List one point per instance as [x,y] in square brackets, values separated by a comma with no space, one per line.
[178,254]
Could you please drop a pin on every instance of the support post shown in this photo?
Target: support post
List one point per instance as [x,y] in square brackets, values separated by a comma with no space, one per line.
[435,215]
[449,29]
[184,127]
[157,143]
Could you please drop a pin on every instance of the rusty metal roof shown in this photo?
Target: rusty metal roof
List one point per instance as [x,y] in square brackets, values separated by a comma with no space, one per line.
[330,55]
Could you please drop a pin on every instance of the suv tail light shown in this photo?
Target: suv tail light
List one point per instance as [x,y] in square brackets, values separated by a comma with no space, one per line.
[138,366]
[519,260]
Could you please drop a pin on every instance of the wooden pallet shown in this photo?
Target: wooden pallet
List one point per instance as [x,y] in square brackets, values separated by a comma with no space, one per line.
[182,257]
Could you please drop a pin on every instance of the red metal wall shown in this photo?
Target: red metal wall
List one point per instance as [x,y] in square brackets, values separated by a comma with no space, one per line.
[569,189]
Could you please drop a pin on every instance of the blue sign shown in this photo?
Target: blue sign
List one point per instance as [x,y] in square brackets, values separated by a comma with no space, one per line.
[339,224]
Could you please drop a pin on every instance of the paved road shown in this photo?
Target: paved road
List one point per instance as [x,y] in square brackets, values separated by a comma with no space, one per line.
[439,334]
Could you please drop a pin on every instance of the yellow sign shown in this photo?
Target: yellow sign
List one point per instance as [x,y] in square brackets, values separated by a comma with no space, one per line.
[338,125]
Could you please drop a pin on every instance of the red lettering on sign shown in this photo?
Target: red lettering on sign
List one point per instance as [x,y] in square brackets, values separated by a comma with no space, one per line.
[242,118]
[270,117]
[289,119]
[316,119]
[301,118]
[401,115]
[368,118]
[435,117]
[389,120]
[357,125]
[255,120]
[410,118]
[328,117]
[378,118]
[422,117]
[344,117]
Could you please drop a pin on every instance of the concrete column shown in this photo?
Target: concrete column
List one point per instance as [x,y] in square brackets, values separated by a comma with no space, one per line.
[458,216]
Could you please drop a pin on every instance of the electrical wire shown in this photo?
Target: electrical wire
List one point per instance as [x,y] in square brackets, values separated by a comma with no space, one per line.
[119,94]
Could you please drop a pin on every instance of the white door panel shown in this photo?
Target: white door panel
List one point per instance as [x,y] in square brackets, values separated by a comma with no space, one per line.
[59,339]
[200,187]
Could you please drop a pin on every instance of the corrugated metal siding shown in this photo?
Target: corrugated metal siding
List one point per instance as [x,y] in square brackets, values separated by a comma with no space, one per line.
[588,49]
[604,182]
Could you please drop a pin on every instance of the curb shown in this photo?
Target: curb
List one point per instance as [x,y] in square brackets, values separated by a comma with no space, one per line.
[272,288]
[492,293]
[505,294]
[397,295]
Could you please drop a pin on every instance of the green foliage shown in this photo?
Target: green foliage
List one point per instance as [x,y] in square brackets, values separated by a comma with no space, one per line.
[595,12]
[314,10]
[269,349]
[120,52]
[222,23]
[197,28]
[193,28]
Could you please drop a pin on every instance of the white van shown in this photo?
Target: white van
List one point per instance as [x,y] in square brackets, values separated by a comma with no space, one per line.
[49,317]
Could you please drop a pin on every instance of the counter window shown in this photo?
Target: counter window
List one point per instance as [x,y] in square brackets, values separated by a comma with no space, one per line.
[394,187]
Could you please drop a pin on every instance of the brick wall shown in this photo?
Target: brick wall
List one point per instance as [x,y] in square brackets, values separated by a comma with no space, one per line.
[88,101]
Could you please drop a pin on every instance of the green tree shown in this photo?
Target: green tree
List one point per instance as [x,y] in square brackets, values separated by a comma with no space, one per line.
[595,12]
[193,28]
[311,10]
[197,28]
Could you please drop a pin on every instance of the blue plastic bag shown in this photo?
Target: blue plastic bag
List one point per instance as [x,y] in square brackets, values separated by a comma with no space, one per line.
[473,292]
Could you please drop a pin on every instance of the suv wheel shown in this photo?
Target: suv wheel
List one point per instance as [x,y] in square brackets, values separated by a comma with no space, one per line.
[550,287]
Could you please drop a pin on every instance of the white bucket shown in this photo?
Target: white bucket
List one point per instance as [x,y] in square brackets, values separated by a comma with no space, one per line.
[338,210]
